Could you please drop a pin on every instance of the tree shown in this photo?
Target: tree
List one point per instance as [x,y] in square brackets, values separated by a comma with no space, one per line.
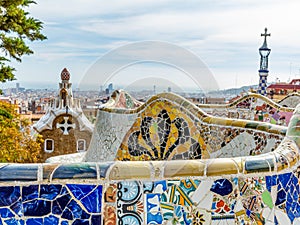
[16,27]
[16,142]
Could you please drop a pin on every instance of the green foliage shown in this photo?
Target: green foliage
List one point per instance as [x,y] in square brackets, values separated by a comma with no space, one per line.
[16,143]
[16,26]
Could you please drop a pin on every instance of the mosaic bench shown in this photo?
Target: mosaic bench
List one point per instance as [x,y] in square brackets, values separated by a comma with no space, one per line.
[252,106]
[291,100]
[169,127]
[143,186]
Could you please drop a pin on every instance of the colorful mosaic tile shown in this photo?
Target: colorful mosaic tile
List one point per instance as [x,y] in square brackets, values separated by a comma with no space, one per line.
[165,131]
[51,203]
[185,167]
[252,107]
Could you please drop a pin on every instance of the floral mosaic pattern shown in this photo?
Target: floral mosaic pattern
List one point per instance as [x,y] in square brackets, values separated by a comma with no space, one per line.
[161,133]
[165,131]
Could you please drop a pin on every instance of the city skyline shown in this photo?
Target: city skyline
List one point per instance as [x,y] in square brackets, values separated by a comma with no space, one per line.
[224,35]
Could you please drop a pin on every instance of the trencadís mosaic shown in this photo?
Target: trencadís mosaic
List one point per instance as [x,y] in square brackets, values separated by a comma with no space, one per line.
[163,162]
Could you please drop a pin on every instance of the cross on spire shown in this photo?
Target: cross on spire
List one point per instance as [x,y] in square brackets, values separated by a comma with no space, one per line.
[265,34]
[65,125]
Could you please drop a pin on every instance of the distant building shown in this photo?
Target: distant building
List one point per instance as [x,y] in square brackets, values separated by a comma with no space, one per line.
[64,127]
[110,88]
[279,90]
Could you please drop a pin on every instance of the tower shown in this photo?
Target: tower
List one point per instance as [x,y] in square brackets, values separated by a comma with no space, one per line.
[263,71]
[64,127]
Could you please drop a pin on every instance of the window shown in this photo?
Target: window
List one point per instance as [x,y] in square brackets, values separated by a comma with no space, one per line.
[49,145]
[81,145]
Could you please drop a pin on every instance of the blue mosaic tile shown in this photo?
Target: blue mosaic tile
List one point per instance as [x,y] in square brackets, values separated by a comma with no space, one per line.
[295,194]
[281,197]
[30,192]
[64,223]
[292,188]
[78,171]
[162,184]
[49,192]
[37,208]
[289,197]
[288,193]
[51,220]
[56,209]
[222,187]
[154,219]
[81,222]
[6,213]
[96,220]
[284,179]
[17,208]
[74,211]
[80,190]
[64,191]
[9,195]
[67,214]
[153,210]
[14,221]
[295,179]
[35,221]
[60,203]
[92,202]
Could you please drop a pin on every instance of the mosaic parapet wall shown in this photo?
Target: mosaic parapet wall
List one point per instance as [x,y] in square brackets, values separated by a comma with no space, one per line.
[168,127]
[291,100]
[252,106]
[261,189]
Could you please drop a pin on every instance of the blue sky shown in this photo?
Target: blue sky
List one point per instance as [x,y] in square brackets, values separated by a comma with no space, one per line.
[225,35]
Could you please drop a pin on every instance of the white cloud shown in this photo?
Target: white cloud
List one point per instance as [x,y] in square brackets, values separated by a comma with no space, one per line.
[225,34]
